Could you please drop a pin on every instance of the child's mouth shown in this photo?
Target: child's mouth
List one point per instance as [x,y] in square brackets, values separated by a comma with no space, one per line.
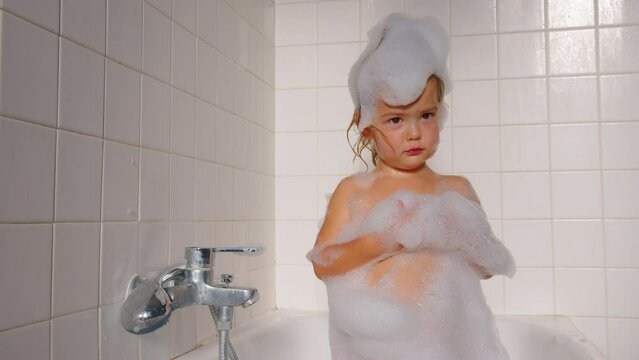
[414,151]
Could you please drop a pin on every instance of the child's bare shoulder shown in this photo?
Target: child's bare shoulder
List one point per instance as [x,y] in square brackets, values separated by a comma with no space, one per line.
[459,184]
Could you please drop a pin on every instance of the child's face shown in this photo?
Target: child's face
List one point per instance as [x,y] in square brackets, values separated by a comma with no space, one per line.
[407,135]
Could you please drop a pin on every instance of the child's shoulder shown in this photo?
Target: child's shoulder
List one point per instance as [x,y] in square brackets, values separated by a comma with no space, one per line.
[459,184]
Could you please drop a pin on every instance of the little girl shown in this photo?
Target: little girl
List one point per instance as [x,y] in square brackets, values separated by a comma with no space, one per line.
[402,248]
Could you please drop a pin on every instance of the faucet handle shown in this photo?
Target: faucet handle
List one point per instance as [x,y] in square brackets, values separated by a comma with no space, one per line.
[197,257]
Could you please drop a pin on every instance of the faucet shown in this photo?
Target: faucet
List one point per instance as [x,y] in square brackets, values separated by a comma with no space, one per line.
[152,297]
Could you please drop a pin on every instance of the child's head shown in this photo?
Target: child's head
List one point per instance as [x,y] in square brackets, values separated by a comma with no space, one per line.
[404,60]
[404,136]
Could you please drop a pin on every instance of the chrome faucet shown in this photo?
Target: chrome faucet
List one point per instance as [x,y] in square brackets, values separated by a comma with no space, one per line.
[151,298]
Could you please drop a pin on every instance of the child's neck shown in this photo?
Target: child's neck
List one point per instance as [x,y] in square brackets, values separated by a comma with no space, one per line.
[421,171]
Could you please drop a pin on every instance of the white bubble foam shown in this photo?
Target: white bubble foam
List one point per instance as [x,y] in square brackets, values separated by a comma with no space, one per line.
[429,303]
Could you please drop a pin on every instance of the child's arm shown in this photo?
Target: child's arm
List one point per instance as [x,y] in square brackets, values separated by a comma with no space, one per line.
[331,258]
[485,252]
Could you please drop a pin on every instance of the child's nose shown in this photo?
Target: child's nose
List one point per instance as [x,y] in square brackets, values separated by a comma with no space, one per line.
[414,131]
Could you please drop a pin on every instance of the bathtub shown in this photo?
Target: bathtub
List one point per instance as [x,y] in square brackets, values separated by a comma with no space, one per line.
[303,335]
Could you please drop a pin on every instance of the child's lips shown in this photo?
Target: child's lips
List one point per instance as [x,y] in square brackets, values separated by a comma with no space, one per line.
[414,151]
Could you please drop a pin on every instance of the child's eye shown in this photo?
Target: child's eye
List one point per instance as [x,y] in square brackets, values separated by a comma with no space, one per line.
[395,120]
[428,115]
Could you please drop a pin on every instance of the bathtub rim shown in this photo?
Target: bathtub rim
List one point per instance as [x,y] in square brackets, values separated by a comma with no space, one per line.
[556,323]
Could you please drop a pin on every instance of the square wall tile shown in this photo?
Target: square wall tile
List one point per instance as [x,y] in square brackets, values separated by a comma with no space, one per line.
[295,24]
[296,154]
[618,102]
[156,47]
[618,49]
[226,29]
[241,198]
[518,15]
[181,235]
[621,194]
[120,182]
[296,287]
[182,123]
[122,104]
[29,82]
[474,17]
[206,76]
[294,240]
[269,62]
[241,149]
[75,246]
[85,22]
[334,62]
[153,251]
[572,52]
[79,177]
[530,241]
[124,32]
[569,13]
[522,54]
[205,185]
[182,332]
[81,89]
[531,291]
[184,13]
[242,99]
[622,338]
[224,193]
[476,103]
[439,9]
[526,195]
[335,156]
[296,110]
[75,336]
[622,292]
[224,137]
[474,57]
[114,341]
[476,149]
[43,13]
[207,21]
[488,189]
[337,21]
[580,292]
[622,243]
[372,11]
[156,114]
[578,243]
[27,157]
[256,148]
[256,53]
[182,188]
[574,147]
[25,244]
[523,101]
[573,99]
[154,185]
[225,91]
[205,115]
[296,198]
[26,343]
[442,160]
[334,108]
[620,146]
[618,12]
[296,67]
[183,59]
[576,195]
[119,261]
[524,148]
[163,5]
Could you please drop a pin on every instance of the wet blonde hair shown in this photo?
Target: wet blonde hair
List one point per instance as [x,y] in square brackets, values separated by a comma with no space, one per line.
[367,142]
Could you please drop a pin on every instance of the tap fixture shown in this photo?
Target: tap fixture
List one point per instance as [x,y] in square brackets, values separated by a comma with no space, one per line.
[152,297]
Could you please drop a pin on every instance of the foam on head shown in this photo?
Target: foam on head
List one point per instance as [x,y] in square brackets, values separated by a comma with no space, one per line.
[401,54]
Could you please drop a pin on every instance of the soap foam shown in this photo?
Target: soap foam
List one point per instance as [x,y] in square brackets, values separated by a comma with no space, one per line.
[446,316]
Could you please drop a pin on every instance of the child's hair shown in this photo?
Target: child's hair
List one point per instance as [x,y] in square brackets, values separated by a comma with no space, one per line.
[365,142]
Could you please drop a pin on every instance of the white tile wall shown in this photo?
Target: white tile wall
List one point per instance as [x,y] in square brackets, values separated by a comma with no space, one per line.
[112,136]
[543,121]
